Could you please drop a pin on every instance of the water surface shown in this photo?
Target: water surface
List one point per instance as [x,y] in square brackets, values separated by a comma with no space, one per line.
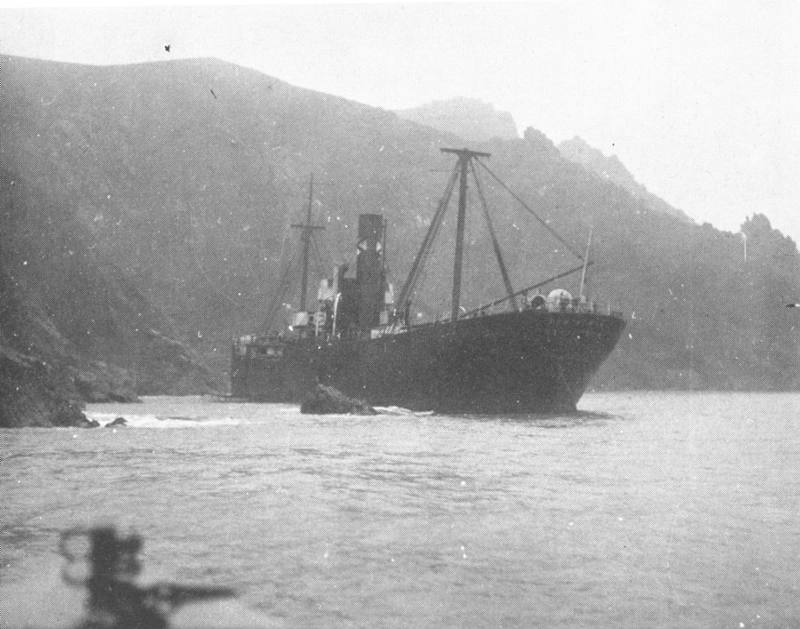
[645,509]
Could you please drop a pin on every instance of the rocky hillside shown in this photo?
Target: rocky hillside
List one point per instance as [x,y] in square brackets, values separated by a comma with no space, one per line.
[468,118]
[73,328]
[34,391]
[610,168]
[186,175]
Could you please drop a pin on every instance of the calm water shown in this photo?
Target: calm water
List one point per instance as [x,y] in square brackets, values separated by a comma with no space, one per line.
[645,510]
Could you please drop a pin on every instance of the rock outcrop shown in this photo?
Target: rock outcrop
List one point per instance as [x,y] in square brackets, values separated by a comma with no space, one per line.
[468,118]
[612,169]
[326,400]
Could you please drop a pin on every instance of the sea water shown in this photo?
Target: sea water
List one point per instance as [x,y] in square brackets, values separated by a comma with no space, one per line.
[642,510]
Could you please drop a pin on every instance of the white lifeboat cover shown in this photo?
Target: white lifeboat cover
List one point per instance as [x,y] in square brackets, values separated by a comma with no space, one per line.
[557,295]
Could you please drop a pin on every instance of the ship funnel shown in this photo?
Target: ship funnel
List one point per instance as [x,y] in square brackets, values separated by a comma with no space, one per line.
[369,270]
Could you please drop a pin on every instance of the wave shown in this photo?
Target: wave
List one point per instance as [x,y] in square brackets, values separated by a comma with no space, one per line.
[399,410]
[147,420]
[167,412]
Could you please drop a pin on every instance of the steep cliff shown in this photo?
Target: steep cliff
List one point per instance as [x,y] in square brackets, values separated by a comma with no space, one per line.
[611,168]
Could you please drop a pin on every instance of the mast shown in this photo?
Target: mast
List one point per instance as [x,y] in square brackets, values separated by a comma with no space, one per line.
[306,243]
[305,236]
[464,160]
[460,224]
[585,263]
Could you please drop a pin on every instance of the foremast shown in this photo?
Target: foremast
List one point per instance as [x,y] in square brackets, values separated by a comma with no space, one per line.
[307,230]
[465,157]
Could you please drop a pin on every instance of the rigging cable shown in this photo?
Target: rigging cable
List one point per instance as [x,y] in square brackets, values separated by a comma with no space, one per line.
[497,252]
[277,300]
[428,246]
[315,250]
[427,243]
[535,215]
[327,258]
[277,295]
[218,292]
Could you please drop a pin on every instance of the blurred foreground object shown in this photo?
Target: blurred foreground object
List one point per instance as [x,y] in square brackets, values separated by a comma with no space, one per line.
[114,600]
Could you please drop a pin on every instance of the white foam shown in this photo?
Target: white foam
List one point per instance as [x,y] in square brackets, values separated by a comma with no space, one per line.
[172,413]
[399,410]
[147,420]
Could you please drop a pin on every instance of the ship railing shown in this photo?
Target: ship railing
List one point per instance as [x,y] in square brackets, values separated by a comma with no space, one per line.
[248,340]
[572,306]
[575,305]
[395,327]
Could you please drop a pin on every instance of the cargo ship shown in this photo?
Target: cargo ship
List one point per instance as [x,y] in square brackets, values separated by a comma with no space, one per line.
[536,356]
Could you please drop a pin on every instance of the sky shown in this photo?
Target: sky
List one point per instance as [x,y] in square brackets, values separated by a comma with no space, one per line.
[700,100]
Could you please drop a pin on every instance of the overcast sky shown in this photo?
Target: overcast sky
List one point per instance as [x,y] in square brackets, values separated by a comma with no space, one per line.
[700,100]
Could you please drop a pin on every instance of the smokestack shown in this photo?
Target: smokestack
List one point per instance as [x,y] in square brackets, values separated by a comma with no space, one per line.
[369,270]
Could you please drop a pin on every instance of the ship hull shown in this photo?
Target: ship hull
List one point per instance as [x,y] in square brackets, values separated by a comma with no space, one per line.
[529,361]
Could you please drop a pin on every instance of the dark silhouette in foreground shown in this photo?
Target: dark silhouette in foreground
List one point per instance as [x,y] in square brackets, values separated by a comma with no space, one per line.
[114,600]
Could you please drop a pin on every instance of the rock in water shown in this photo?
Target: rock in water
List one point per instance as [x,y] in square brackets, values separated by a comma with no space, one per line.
[325,400]
[119,421]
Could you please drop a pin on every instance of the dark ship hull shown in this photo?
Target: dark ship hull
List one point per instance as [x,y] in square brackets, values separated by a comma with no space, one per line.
[528,361]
